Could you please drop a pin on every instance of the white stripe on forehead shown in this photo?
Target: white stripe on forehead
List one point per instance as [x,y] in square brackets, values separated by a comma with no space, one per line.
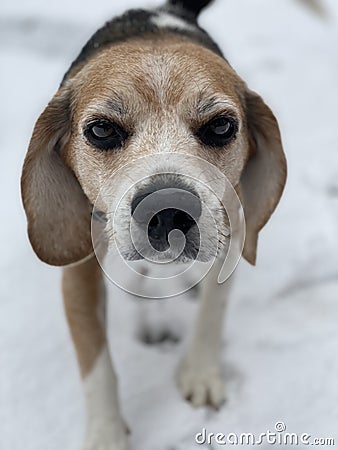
[158,70]
[166,20]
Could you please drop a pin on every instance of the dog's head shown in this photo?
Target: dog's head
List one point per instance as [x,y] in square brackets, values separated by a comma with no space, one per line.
[142,98]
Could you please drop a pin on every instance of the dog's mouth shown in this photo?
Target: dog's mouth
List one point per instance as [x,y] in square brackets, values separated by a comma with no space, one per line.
[167,225]
[197,244]
[167,246]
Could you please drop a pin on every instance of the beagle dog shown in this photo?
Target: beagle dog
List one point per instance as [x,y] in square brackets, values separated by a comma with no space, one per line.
[148,83]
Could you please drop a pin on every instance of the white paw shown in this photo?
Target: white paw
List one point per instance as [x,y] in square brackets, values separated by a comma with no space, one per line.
[202,385]
[107,436]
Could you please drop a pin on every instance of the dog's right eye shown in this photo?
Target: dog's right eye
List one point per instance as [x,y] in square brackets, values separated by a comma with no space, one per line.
[105,135]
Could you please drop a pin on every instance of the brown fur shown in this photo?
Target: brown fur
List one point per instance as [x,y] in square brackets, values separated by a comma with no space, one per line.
[57,210]
[83,295]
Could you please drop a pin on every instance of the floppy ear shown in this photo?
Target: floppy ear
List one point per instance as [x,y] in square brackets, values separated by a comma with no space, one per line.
[58,212]
[264,175]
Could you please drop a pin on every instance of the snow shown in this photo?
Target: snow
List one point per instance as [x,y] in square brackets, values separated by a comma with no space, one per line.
[281,334]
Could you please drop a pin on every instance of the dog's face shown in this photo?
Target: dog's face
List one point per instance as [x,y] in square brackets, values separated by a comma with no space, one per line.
[139,99]
[172,99]
[133,102]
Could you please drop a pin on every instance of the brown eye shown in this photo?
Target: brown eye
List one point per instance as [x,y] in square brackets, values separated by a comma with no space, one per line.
[105,135]
[218,132]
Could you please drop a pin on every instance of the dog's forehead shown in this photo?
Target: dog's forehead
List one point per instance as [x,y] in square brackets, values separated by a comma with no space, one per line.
[157,75]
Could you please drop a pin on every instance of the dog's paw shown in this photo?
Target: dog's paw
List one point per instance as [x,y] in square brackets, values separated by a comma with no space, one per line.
[107,436]
[202,385]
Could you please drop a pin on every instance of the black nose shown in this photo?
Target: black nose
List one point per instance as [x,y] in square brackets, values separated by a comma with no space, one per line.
[167,220]
[165,210]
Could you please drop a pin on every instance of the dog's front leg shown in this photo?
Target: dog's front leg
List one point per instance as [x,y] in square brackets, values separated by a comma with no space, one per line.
[84,298]
[200,376]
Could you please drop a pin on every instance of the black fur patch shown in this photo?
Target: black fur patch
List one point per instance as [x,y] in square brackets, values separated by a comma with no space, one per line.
[138,23]
[193,7]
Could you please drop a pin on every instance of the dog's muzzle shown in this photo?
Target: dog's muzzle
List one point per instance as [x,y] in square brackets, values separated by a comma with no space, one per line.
[166,209]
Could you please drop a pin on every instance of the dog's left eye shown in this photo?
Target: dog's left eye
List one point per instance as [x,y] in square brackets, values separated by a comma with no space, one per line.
[218,132]
[105,135]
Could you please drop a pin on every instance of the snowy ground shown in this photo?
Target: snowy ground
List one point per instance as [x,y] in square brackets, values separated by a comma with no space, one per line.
[281,335]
